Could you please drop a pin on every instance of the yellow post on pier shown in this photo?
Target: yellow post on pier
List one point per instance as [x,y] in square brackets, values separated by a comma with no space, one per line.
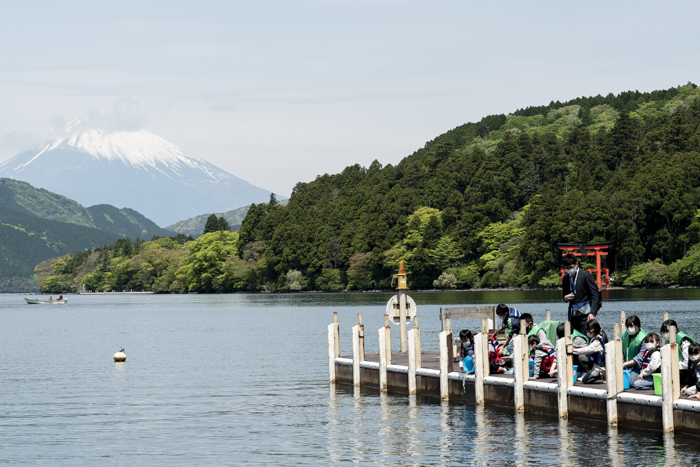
[402,286]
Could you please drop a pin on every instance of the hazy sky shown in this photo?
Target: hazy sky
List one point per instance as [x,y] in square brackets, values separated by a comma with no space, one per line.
[277,92]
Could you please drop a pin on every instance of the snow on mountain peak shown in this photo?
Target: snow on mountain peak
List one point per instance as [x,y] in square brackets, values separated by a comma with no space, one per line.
[141,149]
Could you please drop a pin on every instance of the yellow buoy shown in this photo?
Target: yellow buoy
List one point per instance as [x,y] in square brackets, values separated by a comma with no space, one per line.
[120,356]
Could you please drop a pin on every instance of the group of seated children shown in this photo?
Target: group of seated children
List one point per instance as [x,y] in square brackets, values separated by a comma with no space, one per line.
[641,351]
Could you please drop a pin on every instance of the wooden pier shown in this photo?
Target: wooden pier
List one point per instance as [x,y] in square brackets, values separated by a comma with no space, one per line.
[435,374]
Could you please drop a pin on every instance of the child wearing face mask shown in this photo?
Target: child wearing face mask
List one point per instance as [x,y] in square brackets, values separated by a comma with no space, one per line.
[683,340]
[691,386]
[592,357]
[632,346]
[544,356]
[467,347]
[651,362]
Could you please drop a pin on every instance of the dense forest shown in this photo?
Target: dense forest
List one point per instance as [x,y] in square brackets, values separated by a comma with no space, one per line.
[484,204]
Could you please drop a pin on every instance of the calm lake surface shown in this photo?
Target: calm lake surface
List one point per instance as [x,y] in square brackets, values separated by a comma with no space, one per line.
[242,380]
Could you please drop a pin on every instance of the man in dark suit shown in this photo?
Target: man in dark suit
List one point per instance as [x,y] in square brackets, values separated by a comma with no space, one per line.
[580,290]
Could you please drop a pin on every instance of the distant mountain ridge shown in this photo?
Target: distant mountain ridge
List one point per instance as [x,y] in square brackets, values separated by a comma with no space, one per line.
[195,225]
[132,168]
[23,197]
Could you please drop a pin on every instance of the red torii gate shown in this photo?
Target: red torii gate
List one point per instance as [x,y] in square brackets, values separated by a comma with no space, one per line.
[599,250]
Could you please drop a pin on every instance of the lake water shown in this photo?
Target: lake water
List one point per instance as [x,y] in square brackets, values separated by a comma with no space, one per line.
[242,380]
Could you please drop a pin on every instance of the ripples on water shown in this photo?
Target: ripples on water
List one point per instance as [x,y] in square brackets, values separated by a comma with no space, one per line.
[242,380]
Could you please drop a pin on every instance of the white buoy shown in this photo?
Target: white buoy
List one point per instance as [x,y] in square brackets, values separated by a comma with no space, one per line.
[120,356]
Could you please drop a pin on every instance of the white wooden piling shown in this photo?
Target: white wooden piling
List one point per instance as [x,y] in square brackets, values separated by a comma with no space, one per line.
[362,337]
[622,318]
[670,386]
[619,359]
[484,355]
[480,341]
[337,334]
[383,386]
[547,314]
[519,368]
[569,355]
[611,358]
[331,353]
[416,328]
[445,352]
[411,361]
[356,355]
[562,386]
[387,339]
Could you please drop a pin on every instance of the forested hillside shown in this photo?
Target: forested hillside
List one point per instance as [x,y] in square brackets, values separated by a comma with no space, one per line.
[26,240]
[487,202]
[483,205]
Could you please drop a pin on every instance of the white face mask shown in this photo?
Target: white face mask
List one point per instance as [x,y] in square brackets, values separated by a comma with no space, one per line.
[694,358]
[590,336]
[570,271]
[665,336]
[651,345]
[631,331]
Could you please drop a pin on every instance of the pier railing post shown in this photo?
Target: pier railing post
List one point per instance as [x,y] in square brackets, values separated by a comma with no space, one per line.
[446,363]
[670,384]
[411,361]
[619,359]
[622,318]
[611,359]
[337,334]
[356,355]
[416,328]
[331,353]
[562,386]
[548,314]
[518,373]
[479,342]
[486,324]
[387,339]
[383,387]
[569,355]
[362,337]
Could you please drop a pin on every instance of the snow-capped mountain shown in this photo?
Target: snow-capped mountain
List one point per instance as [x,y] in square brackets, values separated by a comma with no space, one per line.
[134,169]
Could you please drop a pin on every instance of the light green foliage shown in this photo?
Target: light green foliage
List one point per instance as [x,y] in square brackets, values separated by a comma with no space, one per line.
[445,254]
[649,274]
[445,281]
[295,280]
[204,270]
[551,279]
[467,277]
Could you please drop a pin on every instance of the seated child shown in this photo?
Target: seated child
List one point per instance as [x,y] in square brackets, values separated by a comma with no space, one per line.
[691,386]
[632,346]
[511,326]
[544,356]
[683,340]
[592,357]
[467,347]
[497,362]
[578,340]
[527,317]
[651,362]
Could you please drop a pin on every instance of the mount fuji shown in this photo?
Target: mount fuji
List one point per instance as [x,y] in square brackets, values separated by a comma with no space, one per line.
[134,169]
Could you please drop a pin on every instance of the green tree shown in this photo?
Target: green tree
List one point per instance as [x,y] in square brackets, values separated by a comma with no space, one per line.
[212,224]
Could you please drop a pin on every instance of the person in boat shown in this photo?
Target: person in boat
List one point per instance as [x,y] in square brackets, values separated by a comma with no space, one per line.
[60,297]
[544,356]
[51,298]
[651,363]
[633,346]
[592,357]
[691,386]
[511,326]
[683,340]
[580,290]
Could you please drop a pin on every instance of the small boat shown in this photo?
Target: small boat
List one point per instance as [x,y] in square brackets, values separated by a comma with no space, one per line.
[34,301]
